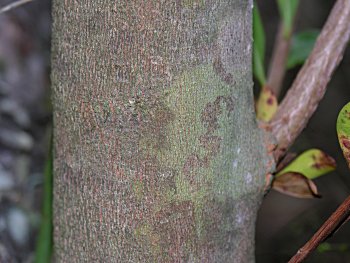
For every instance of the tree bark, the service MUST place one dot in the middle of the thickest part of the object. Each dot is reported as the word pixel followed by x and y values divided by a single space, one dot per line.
pixel 158 157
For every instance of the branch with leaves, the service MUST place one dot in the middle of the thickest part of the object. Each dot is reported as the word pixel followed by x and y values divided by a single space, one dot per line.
pixel 310 85
pixel 287 120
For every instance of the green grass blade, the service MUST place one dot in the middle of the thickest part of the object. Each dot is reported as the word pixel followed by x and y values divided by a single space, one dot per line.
pixel 258 47
pixel 44 242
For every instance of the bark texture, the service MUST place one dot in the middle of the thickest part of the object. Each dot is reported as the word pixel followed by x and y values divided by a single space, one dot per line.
pixel 158 157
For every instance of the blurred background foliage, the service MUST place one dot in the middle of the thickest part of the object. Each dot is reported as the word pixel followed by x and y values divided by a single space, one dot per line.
pixel 25 120
pixel 284 223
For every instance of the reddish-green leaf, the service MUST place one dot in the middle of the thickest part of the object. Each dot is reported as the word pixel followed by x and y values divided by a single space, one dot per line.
pixel 267 104
pixel 311 163
pixel 343 129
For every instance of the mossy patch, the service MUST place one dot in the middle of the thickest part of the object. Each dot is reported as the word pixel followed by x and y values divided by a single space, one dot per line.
pixel 193 3
pixel 198 138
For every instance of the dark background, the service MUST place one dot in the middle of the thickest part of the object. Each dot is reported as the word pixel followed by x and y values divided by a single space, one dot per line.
pixel 284 223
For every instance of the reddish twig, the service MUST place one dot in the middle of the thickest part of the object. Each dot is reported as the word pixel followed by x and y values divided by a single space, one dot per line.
pixel 336 220
pixel 310 85
pixel 277 68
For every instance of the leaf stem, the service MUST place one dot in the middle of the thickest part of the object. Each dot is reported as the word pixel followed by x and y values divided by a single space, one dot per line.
pixel 278 61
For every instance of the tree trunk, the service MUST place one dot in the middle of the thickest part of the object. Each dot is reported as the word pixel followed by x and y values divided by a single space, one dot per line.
pixel 158 157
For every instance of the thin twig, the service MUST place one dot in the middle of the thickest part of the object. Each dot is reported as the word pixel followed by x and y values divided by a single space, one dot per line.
pixel 310 85
pixel 278 62
pixel 334 222
pixel 14 5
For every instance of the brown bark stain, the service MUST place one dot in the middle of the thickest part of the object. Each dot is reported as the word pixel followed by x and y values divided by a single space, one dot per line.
pixel 210 142
pixel 220 70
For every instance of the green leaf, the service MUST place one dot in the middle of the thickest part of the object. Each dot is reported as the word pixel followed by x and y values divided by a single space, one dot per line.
pixel 287 9
pixel 311 163
pixel 301 47
pixel 343 130
pixel 258 47
pixel 266 105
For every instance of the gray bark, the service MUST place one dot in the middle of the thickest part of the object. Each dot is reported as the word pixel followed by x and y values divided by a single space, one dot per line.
pixel 158 157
